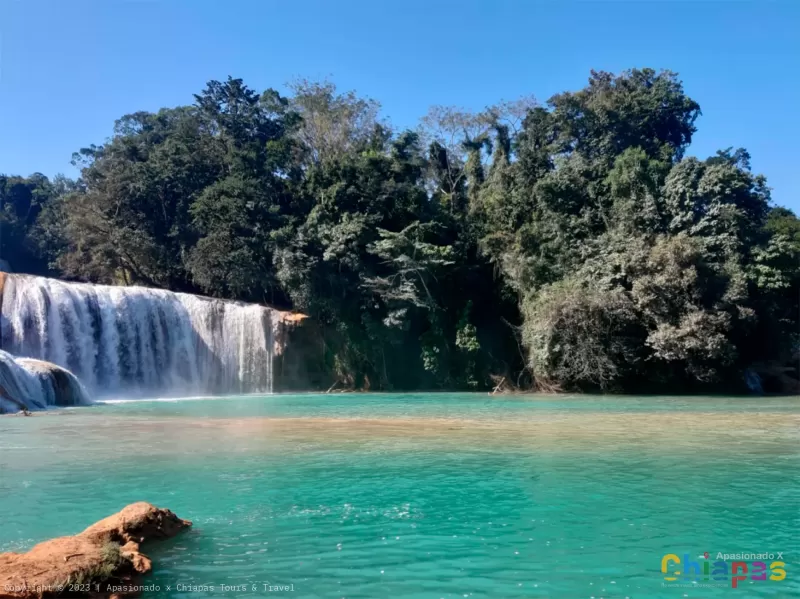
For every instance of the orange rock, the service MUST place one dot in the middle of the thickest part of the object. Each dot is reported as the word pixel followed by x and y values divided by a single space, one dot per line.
pixel 111 543
pixel 141 563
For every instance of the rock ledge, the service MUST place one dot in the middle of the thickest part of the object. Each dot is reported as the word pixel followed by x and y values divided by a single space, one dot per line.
pixel 96 563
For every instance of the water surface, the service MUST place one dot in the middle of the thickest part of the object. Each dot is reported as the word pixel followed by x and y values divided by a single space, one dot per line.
pixel 427 495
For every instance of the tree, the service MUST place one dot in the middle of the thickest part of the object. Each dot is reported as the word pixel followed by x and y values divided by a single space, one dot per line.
pixel 332 124
pixel 130 221
pixel 25 205
pixel 568 245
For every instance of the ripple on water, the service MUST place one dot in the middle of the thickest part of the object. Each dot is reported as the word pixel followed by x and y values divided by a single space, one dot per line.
pixel 420 496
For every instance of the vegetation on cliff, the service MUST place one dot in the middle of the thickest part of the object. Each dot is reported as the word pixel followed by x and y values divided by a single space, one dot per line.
pixel 565 245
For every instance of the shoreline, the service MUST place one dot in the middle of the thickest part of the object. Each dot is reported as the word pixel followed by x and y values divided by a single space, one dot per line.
pixel 532 397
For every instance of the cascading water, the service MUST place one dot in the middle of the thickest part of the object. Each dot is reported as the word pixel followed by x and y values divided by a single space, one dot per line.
pixel 35 385
pixel 135 341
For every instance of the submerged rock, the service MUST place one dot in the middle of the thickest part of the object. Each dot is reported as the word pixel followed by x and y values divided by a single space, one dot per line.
pixel 98 562
pixel 753 381
pixel 27 384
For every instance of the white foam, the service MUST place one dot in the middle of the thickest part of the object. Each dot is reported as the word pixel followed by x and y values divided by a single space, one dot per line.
pixel 129 342
pixel 35 386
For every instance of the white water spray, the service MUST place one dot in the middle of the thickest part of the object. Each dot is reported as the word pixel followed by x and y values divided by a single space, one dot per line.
pixel 135 341
pixel 35 385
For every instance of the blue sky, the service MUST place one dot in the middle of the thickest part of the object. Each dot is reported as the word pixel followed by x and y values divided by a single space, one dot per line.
pixel 68 69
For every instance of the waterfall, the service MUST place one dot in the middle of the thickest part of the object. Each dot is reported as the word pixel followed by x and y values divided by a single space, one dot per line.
pixel 135 341
pixel 36 385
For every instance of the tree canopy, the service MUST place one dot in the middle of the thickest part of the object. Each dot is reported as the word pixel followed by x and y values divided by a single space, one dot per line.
pixel 565 245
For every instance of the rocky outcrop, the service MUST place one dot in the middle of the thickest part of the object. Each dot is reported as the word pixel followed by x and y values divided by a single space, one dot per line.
pixel 27 384
pixel 67 391
pixel 98 562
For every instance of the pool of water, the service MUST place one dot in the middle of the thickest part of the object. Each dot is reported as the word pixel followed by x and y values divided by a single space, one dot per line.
pixel 422 495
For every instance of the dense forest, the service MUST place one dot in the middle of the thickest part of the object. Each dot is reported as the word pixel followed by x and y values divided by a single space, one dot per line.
pixel 557 246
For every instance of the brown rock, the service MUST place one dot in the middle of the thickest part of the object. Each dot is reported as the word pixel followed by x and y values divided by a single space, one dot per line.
pixel 107 551
pixel 130 547
pixel 141 563
pixel 2 287
pixel 137 522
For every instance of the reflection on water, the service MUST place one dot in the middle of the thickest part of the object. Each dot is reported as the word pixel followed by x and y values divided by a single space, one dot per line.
pixel 439 495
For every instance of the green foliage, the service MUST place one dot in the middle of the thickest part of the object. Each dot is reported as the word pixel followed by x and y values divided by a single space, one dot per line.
pixel 781 221
pixel 579 335
pixel 468 344
pixel 332 124
pixel 637 108
pixel 571 241
pixel 466 333
pixel 633 264
pixel 26 220
pixel 103 570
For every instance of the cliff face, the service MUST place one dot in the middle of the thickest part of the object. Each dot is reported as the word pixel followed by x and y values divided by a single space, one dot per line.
pixel 96 562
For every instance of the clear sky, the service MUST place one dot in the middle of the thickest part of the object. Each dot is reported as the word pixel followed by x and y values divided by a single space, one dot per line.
pixel 69 68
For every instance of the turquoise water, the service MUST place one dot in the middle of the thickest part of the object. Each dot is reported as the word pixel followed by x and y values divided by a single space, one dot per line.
pixel 435 495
